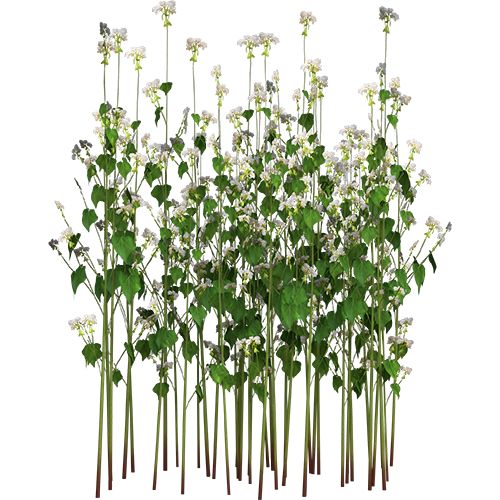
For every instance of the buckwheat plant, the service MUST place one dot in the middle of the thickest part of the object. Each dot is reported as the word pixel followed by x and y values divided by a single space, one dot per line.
pixel 282 258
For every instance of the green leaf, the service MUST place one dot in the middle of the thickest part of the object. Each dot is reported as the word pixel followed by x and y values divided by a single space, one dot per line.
pixel 369 233
pixel 201 143
pixel 254 369
pixel 218 373
pixel 391 366
pixel 99 286
pixel 291 367
pixel 267 112
pixel 402 279
pixel 353 307
pixel 407 217
pixel 209 206
pixel 158 111
pixel 117 376
pixel 433 262
pixel 142 347
pixel 104 108
pixel 152 172
pixel 160 192
pixel 259 390
pixel 293 304
pixel 161 389
pixel 112 137
pixel 393 120
pixel 247 114
pixel 269 205
pixel 363 270
pixel 130 351
pixel 183 168
pixel 124 168
pixel 198 313
pixel 98 194
pixel 165 339
pixel 418 273
pixel 124 244
pixel 189 350
pixel 396 389
pixel 177 273
pixel 358 378
pixel 199 392
pixel 165 87
pixel 378 195
pixel 384 95
pixel 311 216
pixel 92 352
pixel 321 365
pixel 380 148
pixel 135 124
pixel 361 339
pixel 402 177
pixel 307 121
pixel 130 283
pixel 337 382
pixel 218 163
pixel 89 217
pixel 254 253
pixel 78 276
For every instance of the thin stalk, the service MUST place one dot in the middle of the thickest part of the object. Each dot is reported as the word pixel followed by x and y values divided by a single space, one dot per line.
pixel 158 420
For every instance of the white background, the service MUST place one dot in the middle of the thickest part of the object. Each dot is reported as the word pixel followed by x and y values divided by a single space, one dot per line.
pixel 446 54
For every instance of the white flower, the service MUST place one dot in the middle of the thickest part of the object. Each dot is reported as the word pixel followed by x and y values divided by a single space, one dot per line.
pixel 166 9
pixel 395 83
pixel 194 45
pixel 406 322
pixel 433 224
pixel 234 116
pixel 267 40
pixel 216 71
pixel 118 36
pixel 137 54
pixel 415 146
pixel 59 205
pixel 309 272
pixel 221 91
pixel 312 66
pixel 208 117
pixel 105 47
pixel 259 94
pixel 387 14
pixel 120 33
pixel 150 237
pixel 369 90
pixel 307 18
pixel 249 41
pixel 322 81
pixel 66 235
pixel 424 177
pixel 151 89
pixel 84 325
pixel 90 319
